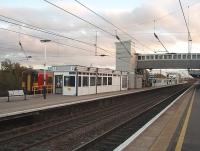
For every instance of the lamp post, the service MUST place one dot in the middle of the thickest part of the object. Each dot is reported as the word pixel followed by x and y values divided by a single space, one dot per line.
pixel 45 58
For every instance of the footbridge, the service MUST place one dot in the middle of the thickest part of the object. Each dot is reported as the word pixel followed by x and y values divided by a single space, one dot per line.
pixel 168 61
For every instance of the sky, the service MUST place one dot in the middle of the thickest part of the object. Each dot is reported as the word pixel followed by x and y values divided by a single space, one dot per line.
pixel 139 18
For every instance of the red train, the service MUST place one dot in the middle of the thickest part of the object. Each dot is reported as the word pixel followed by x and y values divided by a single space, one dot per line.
pixel 33 80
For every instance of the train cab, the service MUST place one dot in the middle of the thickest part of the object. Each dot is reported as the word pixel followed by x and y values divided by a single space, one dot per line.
pixel 33 81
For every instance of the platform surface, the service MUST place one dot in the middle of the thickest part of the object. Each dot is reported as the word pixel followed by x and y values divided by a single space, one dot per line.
pixel 33 103
pixel 189 137
pixel 163 134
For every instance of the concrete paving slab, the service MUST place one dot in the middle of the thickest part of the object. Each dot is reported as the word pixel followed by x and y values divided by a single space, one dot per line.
pixel 157 136
pixel 18 105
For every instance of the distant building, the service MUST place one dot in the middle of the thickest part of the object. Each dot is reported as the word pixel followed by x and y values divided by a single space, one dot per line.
pixel 161 80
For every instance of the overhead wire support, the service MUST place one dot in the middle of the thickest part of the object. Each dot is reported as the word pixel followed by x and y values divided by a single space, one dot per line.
pixel 36 28
pixel 25 25
pixel 122 43
pixel 79 17
pixel 32 27
pixel 106 20
pixel 37 37
pixel 84 21
pixel 156 36
pixel 189 35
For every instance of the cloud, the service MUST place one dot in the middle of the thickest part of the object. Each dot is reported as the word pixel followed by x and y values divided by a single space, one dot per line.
pixel 138 22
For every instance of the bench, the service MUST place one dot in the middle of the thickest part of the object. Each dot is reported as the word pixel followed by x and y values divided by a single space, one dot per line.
pixel 16 93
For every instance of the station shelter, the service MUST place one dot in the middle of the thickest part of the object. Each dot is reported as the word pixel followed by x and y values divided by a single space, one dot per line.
pixel 81 80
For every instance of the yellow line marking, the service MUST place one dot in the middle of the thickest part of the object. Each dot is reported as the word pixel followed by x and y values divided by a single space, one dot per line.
pixel 185 125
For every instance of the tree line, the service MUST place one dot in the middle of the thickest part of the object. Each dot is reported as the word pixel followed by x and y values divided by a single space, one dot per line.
pixel 10 76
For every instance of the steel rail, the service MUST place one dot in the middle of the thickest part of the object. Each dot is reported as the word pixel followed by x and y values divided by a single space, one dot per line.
pixel 91 143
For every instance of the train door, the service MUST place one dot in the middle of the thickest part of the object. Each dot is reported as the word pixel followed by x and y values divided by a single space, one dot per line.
pixel 58 84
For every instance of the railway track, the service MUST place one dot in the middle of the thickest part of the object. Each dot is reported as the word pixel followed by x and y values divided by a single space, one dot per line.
pixel 114 137
pixel 37 136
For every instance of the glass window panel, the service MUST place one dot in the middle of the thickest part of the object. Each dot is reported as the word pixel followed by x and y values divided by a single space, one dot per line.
pixel 161 57
pixel 104 80
pixel 174 56
pixel 99 81
pixel 143 57
pixel 85 81
pixel 69 81
pixel 109 80
pixel 92 81
pixel 194 56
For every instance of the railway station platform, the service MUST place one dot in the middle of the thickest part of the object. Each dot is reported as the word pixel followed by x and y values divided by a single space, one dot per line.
pixel 36 102
pixel 176 129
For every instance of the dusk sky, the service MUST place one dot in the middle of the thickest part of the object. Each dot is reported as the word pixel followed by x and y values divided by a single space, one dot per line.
pixel 136 17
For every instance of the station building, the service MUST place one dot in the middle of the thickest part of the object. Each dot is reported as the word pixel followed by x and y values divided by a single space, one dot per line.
pixel 81 80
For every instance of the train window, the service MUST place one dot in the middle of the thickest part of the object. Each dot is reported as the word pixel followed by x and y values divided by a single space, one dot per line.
pixel 35 78
pixel 169 56
pixel 198 56
pixel 179 56
pixel 184 56
pixel 152 57
pixel 105 80
pixel 109 80
pixel 194 56
pixel 165 56
pixel 147 57
pixel 50 80
pixel 85 81
pixel 79 73
pixel 92 81
pixel 139 57
pixel 156 57
pixel 79 81
pixel 188 56
pixel 69 81
pixel 99 81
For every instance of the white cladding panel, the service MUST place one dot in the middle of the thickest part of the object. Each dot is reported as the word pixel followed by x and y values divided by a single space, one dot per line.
pixel 87 78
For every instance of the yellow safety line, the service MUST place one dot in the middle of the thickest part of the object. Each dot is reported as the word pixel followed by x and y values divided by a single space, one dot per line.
pixel 185 125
